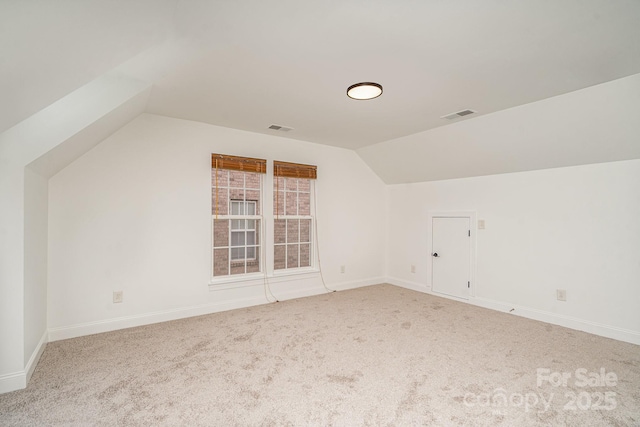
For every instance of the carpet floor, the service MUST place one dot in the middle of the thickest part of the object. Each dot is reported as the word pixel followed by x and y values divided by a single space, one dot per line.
pixel 378 356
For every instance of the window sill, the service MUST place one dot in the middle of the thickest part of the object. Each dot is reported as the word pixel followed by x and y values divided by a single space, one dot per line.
pixel 258 279
pixel 295 272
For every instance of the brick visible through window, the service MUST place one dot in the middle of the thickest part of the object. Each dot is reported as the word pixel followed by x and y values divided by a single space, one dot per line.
pixel 293 223
pixel 236 208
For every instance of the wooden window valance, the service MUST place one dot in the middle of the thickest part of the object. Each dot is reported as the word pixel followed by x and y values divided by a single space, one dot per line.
pixel 294 170
pixel 236 163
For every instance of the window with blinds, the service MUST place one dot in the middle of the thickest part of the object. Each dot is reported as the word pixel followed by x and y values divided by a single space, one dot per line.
pixel 293 215
pixel 236 209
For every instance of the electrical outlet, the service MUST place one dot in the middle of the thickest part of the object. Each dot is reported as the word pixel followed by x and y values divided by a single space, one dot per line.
pixel 413 268
pixel 117 297
pixel 561 294
pixel 342 269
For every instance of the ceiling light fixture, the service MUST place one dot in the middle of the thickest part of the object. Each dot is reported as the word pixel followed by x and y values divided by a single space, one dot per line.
pixel 364 90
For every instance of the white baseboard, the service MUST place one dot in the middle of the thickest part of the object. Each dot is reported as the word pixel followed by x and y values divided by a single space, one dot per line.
pixel 595 328
pixel 13 381
pixel 342 286
pixel 19 380
pixel 108 325
pixel 414 286
pixel 607 331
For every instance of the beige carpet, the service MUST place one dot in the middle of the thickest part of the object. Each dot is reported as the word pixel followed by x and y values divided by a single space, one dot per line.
pixel 379 355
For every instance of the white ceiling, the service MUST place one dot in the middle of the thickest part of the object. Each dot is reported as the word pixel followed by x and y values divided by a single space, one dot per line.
pixel 51 48
pixel 290 62
pixel 255 63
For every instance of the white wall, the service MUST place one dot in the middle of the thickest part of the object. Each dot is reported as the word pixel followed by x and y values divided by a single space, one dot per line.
pixel 89 113
pixel 133 214
pixel 592 125
pixel 35 264
pixel 11 272
pixel 574 228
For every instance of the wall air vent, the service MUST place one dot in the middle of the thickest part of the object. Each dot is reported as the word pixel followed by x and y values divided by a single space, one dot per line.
pixel 280 128
pixel 458 114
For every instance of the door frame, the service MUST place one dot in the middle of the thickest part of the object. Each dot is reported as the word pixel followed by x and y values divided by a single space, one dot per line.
pixel 471 215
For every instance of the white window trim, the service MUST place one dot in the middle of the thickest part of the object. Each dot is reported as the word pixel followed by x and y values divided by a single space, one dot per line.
pixel 312 243
pixel 255 279
pixel 230 278
pixel 267 244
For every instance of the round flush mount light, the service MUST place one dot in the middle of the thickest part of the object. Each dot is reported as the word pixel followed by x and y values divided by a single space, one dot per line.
pixel 364 90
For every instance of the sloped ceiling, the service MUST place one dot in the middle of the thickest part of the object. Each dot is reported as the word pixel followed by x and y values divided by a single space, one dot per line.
pixel 248 64
pixel 48 49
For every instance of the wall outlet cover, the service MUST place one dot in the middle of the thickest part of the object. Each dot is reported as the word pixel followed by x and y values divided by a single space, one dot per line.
pixel 117 297
pixel 561 294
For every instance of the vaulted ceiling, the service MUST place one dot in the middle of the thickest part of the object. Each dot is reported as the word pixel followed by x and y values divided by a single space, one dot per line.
pixel 247 64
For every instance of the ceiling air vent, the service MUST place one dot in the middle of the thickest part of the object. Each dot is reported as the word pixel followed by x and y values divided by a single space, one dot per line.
pixel 458 114
pixel 280 128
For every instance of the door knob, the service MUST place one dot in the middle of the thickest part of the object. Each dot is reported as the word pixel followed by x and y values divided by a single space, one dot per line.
pixel 435 254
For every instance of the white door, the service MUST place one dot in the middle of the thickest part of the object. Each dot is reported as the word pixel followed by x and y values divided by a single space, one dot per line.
pixel 451 256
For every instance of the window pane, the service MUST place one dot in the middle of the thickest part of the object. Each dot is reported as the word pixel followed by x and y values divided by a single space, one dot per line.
pixel 222 199
pixel 223 177
pixel 221 262
pixel 279 257
pixel 237 253
pixel 280 231
pixel 253 264
pixel 237 238
pixel 278 203
pixel 304 185
pixel 304 203
pixel 236 179
pixel 278 184
pixel 253 197
pixel 256 234
pixel 236 194
pixel 238 267
pixel 305 255
pixel 305 230
pixel 292 184
pixel 292 203
pixel 292 230
pixel 220 232
pixel 236 207
pixel 251 252
pixel 236 249
pixel 292 237
pixel 252 180
pixel 292 256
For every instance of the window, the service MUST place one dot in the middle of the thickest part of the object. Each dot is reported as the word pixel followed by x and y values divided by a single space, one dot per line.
pixel 236 184
pixel 243 231
pixel 293 220
pixel 237 216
